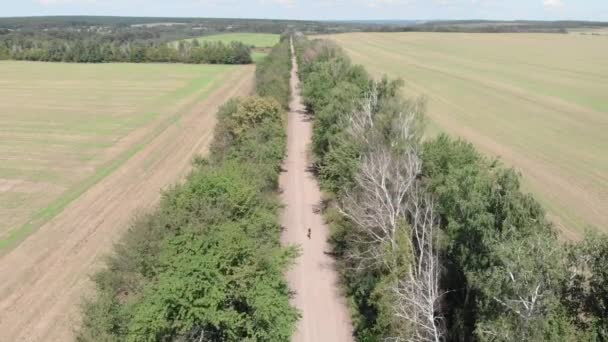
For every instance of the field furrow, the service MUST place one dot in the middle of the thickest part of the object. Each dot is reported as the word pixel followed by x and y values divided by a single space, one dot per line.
pixel 537 101
pixel 43 278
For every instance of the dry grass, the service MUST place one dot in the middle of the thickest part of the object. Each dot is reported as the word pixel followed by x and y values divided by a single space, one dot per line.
pixel 538 101
pixel 64 127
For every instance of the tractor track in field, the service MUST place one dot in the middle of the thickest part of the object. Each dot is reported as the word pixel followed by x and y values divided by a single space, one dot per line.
pixel 43 279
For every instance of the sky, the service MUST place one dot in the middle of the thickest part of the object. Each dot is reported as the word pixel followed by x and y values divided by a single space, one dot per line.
pixel 319 9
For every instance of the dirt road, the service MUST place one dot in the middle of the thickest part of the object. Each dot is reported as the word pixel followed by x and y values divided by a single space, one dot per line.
pixel 314 280
pixel 43 280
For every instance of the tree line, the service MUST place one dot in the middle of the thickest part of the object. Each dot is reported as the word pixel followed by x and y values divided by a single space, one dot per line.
pixel 172 29
pixel 175 28
pixel 207 264
pixel 99 49
pixel 436 242
pixel 489 26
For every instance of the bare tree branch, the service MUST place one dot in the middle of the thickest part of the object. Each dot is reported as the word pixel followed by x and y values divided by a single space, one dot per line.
pixel 418 294
pixel 387 203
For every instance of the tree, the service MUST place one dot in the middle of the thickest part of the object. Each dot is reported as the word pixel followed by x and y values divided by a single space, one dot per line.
pixel 585 291
pixel 524 288
pixel 387 173
pixel 219 284
pixel 505 264
pixel 379 202
pixel 4 52
pixel 137 54
pixel 394 217
pixel 136 48
pixel 207 264
pixel 418 296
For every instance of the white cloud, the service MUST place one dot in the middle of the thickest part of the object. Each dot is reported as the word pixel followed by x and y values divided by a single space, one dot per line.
pixel 62 2
pixel 382 3
pixel 553 3
pixel 282 3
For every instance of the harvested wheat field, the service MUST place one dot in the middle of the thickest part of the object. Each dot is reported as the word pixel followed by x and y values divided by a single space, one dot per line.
pixel 80 154
pixel 537 101
pixel 59 136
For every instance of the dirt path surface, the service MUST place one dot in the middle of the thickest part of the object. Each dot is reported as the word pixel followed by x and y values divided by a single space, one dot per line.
pixel 43 280
pixel 314 280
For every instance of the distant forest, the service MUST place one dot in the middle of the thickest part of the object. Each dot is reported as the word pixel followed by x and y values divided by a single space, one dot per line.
pixel 177 26
pixel 116 39
pixel 137 40
pixel 83 39
pixel 107 48
pixel 484 26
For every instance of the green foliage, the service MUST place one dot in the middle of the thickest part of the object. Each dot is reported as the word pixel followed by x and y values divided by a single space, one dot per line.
pixel 102 50
pixel 265 145
pixel 207 263
pixel 216 53
pixel 585 291
pixel 506 274
pixel 554 326
pixel 104 320
pixel 253 112
pixel 530 269
pixel 216 220
pixel 362 287
pixel 273 72
pixel 4 53
pixel 330 88
pixel 499 247
pixel 214 193
pixel 330 120
pixel 333 88
pixel 338 166
pixel 207 283
pixel 324 67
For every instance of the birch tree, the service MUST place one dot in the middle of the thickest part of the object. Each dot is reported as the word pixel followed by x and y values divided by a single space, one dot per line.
pixel 387 203
pixel 523 286
pixel 418 294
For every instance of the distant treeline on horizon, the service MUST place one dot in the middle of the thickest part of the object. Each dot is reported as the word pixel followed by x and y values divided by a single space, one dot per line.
pixel 195 26
pixel 84 39
pixel 93 39
pixel 103 50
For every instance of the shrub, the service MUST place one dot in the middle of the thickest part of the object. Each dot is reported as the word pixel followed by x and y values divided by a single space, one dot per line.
pixel 207 263
pixel 505 273
pixel 272 74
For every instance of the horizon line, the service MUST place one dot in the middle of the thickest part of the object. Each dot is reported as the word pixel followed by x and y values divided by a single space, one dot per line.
pixel 289 19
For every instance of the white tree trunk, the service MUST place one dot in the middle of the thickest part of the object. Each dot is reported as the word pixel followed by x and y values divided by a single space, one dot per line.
pixel 386 198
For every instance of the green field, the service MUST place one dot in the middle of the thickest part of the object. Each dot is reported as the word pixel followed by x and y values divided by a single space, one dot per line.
pixel 258 56
pixel 538 101
pixel 63 127
pixel 258 40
